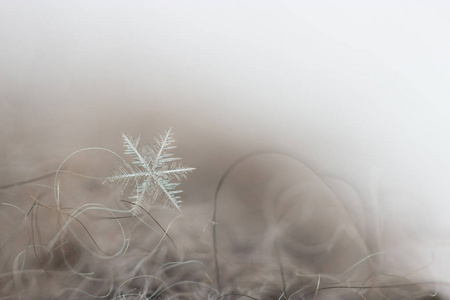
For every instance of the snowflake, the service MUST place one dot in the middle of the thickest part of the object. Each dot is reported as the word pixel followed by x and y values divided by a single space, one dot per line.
pixel 154 171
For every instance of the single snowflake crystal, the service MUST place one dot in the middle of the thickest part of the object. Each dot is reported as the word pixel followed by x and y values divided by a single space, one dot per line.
pixel 154 171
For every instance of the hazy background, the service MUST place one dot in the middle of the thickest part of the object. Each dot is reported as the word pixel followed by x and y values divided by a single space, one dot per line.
pixel 357 89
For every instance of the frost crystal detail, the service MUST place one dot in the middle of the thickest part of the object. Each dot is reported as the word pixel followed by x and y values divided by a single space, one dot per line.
pixel 154 171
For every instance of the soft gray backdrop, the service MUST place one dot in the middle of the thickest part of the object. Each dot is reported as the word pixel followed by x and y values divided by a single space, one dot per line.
pixel 357 89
